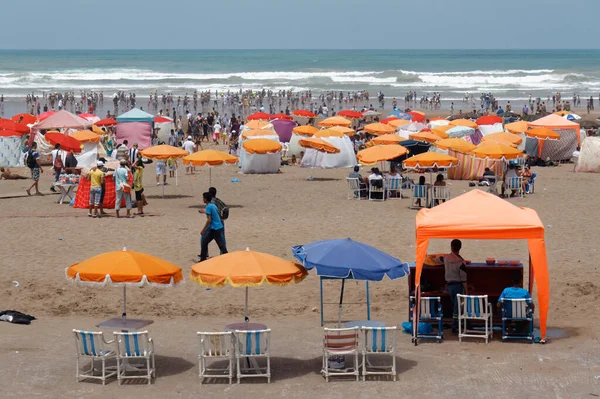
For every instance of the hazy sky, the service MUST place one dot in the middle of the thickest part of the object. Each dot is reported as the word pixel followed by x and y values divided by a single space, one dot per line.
pixel 313 24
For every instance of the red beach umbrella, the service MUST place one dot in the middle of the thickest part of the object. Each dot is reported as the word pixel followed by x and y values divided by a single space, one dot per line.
pixel 161 119
pixel 282 116
pixel 489 120
pixel 24 119
pixel 416 117
pixel 348 113
pixel 259 116
pixel 106 122
pixel 7 124
pixel 67 143
pixel 305 113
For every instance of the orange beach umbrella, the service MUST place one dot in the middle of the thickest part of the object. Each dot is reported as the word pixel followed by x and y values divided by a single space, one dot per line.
pixel 328 133
pixel 492 150
pixel 342 129
pixel 261 146
pixel 542 133
pixel 517 127
pixel 305 130
pixel 427 137
pixel 125 268
pixel 503 136
pixel 209 158
pixel 379 153
pixel 398 122
pixel 318 144
pixel 247 269
pixel 455 144
pixel 335 121
pixel 379 128
pixel 85 136
pixel 430 160
pixel 440 131
pixel 387 139
pixel 464 122
pixel 164 152
pixel 258 124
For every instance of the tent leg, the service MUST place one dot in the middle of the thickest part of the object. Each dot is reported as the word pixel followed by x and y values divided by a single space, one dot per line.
pixel 530 275
pixel 368 301
pixel 321 299
pixel 124 302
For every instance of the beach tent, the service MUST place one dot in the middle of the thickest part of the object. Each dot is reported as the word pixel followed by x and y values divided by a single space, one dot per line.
pixel 260 156
pixel 299 133
pixel 135 126
pixel 346 158
pixel 478 215
pixel 559 150
pixel 283 128
pixel 62 120
pixel 490 124
pixel 472 168
pixel 10 149
pixel 164 126
pixel 589 158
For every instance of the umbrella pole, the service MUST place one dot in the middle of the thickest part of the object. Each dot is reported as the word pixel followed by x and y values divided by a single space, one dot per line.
pixel 124 302
pixel 341 301
pixel 209 176
pixel 246 318
pixel 176 179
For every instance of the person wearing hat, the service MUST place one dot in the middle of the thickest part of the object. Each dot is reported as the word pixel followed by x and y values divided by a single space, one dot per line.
pixel 138 176
pixel 189 146
pixel 106 172
pixel 133 153
pixel 122 187
pixel 96 177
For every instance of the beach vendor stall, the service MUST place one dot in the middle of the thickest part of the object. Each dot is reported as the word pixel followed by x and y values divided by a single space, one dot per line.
pixel 477 215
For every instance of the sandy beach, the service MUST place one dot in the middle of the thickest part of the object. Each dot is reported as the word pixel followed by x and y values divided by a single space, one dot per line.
pixel 271 213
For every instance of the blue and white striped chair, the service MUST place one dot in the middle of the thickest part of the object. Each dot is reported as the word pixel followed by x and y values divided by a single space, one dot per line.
pixel 430 312
pixel 393 187
pixel 251 345
pixel 212 346
pixel 339 344
pixel 377 341
pixel 519 311
pixel 474 307
pixel 91 344
pixel 135 345
pixel 420 196
pixel 515 184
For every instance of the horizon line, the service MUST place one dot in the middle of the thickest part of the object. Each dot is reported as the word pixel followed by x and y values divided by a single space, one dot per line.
pixel 302 49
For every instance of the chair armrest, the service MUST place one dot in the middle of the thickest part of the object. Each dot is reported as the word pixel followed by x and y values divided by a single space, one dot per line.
pixel 109 342
pixel 151 342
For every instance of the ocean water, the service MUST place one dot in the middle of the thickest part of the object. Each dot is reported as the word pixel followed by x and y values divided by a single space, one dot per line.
pixel 509 75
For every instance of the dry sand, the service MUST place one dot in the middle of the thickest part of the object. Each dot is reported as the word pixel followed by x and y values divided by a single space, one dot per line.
pixel 270 213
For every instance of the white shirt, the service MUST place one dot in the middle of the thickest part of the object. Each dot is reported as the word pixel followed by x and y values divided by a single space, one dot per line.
pixel 217 128
pixel 373 176
pixel 54 155
pixel 189 145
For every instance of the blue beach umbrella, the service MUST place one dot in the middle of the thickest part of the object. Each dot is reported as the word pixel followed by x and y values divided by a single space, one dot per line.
pixel 400 115
pixel 347 259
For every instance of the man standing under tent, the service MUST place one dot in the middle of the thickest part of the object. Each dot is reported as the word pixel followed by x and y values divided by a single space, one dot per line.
pixel 456 277
pixel 33 163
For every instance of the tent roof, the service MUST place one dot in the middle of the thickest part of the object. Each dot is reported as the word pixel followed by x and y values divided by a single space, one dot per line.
pixel 63 120
pixel 479 215
pixel 554 121
pixel 135 115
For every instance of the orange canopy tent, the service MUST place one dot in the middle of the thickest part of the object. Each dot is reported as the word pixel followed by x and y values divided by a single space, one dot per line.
pixel 478 215
pixel 335 121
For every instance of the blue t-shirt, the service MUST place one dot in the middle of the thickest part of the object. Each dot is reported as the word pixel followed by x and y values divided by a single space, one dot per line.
pixel 514 293
pixel 215 219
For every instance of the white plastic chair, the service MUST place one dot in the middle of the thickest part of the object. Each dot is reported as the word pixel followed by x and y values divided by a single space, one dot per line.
pixel 376 186
pixel 355 189
pixel 378 341
pixel 213 346
pixel 91 345
pixel 515 183
pixel 135 345
pixel 340 343
pixel 393 187
pixel 419 193
pixel 251 345
pixel 474 307
pixel 440 194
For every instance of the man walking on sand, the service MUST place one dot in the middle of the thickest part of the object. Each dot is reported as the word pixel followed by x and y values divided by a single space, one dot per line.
pixel 213 228
pixel 33 163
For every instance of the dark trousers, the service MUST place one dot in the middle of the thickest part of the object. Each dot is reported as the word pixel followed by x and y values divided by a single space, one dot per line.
pixel 453 290
pixel 207 237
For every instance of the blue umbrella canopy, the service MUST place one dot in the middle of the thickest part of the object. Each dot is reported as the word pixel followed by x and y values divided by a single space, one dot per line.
pixel 400 115
pixel 345 258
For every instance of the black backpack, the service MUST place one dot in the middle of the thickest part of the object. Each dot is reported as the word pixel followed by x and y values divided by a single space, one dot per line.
pixel 31 163
pixel 224 213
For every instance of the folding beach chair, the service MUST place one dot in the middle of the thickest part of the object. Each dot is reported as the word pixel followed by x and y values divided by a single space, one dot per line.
pixel 356 189
pixel 250 346
pixel 440 194
pixel 474 307
pixel 518 312
pixel 214 346
pixel 515 184
pixel 419 196
pixel 378 341
pixel 431 312
pixel 135 346
pixel 91 345
pixel 340 344
pixel 376 190
pixel 393 187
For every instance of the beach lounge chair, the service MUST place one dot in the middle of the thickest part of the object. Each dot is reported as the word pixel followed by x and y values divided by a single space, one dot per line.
pixel 356 190
pixel 213 346
pixel 519 311
pixel 431 312
pixel 474 307
pixel 249 346
pixel 339 345
pixel 440 194
pixel 515 184
pixel 420 194
pixel 378 341
pixel 91 345
pixel 393 187
pixel 135 346
pixel 376 190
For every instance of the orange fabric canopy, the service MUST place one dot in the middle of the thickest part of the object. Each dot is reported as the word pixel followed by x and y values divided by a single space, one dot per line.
pixel 430 160
pixel 209 157
pixel 261 146
pixel 378 153
pixel 335 121
pixel 496 150
pixel 257 132
pixel 247 269
pixel 164 151
pixel 427 137
pixel 387 139
pixel 305 130
pixel 257 124
pixel 24 119
pixel 554 122
pixel 379 128
pixel 517 127
pixel 464 122
pixel 328 133
pixel 440 131
pixel 478 215
pixel 455 144
pixel 342 129
pixel 318 144
pixel 125 267
pixel 503 136
pixel 398 122
pixel 85 136
pixel 542 133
